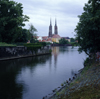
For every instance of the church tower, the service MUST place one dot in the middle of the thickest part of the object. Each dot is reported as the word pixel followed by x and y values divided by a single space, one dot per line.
pixel 50 29
pixel 55 28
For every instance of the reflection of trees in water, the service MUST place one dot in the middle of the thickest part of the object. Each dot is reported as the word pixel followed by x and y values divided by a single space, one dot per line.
pixel 66 49
pixel 9 88
pixel 63 49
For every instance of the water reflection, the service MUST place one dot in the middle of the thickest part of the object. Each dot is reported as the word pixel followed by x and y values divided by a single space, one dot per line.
pixel 10 88
pixel 35 77
pixel 55 52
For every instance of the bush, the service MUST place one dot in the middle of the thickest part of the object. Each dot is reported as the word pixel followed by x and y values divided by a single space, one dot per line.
pixel 5 44
pixel 33 46
pixel 43 43
pixel 87 62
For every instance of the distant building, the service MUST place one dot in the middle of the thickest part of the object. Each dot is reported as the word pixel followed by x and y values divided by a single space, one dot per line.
pixel 56 38
pixel 50 29
pixel 55 28
pixel 52 37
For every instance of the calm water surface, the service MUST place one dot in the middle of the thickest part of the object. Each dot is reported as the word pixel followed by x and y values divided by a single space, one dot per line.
pixel 35 77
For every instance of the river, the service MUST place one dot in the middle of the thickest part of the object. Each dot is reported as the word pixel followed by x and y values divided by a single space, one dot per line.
pixel 35 77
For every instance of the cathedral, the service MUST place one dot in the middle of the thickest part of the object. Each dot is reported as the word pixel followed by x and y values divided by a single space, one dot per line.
pixel 54 37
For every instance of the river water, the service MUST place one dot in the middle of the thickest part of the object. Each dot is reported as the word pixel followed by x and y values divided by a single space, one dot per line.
pixel 35 77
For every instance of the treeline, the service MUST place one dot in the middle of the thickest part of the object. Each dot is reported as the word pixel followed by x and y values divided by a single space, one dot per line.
pixel 71 41
pixel 88 28
pixel 11 23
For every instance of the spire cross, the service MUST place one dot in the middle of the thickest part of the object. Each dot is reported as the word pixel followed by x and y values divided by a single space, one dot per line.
pixel 55 22
pixel 50 21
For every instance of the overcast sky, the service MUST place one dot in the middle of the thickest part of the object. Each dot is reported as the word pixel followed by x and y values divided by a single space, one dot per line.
pixel 65 11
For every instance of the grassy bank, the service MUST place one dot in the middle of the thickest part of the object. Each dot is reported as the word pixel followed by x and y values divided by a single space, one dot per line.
pixel 5 44
pixel 85 86
pixel 86 92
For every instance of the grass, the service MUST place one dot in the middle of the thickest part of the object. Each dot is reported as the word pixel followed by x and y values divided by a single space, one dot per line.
pixel 5 44
pixel 85 69
pixel 86 92
pixel 92 91
pixel 62 84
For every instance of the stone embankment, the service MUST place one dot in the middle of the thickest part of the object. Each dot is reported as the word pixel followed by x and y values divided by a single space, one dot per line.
pixel 7 53
pixel 86 76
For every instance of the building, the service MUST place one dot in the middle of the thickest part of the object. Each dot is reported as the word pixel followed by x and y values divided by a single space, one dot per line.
pixel 56 38
pixel 50 29
pixel 52 37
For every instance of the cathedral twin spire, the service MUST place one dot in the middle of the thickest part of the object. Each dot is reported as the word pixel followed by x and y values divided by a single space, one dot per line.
pixel 55 28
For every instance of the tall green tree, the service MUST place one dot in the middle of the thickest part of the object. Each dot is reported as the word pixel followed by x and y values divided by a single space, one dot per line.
pixel 23 38
pixel 32 31
pixel 88 28
pixel 11 20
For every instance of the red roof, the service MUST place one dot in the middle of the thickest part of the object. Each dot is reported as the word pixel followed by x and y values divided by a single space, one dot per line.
pixel 39 40
pixel 56 36
pixel 49 39
pixel 43 40
pixel 44 37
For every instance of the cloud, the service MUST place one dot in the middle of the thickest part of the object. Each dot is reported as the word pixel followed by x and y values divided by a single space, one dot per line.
pixel 65 11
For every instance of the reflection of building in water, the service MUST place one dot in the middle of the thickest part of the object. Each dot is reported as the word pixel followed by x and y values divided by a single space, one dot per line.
pixel 55 51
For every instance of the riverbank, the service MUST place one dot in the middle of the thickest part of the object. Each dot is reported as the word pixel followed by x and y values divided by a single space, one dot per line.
pixel 9 53
pixel 11 58
pixel 85 86
pixel 61 44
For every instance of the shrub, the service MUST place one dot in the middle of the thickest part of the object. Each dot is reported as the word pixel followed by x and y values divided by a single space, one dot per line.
pixel 33 46
pixel 43 43
pixel 87 62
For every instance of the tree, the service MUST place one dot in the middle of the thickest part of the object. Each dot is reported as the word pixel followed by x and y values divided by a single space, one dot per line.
pixel 88 28
pixel 11 20
pixel 63 41
pixel 72 39
pixel 32 31
pixel 23 38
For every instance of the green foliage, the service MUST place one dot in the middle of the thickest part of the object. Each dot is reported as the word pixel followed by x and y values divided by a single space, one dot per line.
pixel 57 93
pixel 72 39
pixel 34 40
pixel 74 43
pixel 11 20
pixel 43 43
pixel 63 41
pixel 55 43
pixel 87 62
pixel 33 46
pixel 5 44
pixel 50 50
pixel 32 29
pixel 62 84
pixel 85 92
pixel 23 37
pixel 88 28
pixel 48 43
